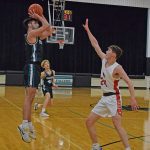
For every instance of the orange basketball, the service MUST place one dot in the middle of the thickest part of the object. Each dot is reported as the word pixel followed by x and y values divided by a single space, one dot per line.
pixel 36 8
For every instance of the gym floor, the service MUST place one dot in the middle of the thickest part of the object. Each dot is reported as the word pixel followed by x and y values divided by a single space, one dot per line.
pixel 65 128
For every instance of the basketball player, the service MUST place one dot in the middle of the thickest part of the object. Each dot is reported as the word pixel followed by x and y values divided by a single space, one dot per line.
pixel 110 103
pixel 38 29
pixel 48 81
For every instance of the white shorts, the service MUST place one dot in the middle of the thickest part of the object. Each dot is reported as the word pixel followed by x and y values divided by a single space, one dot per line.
pixel 108 106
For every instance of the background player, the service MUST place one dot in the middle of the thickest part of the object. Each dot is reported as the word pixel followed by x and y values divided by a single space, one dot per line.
pixel 48 81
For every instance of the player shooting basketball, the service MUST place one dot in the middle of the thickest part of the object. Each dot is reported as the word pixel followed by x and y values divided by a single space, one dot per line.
pixel 38 29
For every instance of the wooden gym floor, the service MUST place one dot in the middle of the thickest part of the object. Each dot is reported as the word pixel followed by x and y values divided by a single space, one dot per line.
pixel 65 128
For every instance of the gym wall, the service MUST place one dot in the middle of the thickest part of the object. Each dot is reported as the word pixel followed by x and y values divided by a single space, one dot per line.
pixel 124 26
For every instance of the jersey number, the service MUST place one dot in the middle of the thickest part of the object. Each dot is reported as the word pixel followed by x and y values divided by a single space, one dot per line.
pixel 103 82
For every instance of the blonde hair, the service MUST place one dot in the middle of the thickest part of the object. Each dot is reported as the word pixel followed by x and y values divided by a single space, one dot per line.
pixel 43 62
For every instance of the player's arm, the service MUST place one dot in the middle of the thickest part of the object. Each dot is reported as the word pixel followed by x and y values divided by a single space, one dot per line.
pixel 42 75
pixel 53 80
pixel 93 41
pixel 122 74
pixel 44 28
pixel 47 32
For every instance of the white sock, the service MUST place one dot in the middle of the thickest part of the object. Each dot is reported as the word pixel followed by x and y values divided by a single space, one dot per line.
pixel 30 124
pixel 43 109
pixel 128 148
pixel 96 146
pixel 25 123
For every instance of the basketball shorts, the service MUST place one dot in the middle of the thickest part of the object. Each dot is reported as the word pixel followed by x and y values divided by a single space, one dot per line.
pixel 108 106
pixel 32 75
pixel 49 90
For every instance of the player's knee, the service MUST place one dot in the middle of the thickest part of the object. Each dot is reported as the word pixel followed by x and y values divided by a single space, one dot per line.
pixel 89 122
pixel 117 124
pixel 32 95
pixel 50 102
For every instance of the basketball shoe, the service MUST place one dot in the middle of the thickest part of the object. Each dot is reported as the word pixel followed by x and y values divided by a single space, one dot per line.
pixel 32 132
pixel 97 149
pixel 24 132
pixel 44 114
pixel 35 106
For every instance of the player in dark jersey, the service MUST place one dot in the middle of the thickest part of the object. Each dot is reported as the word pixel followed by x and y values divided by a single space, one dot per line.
pixel 38 29
pixel 48 81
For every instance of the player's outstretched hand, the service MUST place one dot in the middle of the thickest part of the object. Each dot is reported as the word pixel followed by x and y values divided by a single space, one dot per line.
pixel 134 104
pixel 34 15
pixel 55 86
pixel 86 25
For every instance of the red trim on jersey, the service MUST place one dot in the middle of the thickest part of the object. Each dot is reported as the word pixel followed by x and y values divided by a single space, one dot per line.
pixel 119 108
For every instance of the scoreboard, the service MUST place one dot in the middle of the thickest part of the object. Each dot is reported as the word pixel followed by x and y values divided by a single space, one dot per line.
pixel 67 15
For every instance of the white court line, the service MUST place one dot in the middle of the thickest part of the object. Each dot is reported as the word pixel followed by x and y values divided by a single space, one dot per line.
pixel 68 140
pixel 9 102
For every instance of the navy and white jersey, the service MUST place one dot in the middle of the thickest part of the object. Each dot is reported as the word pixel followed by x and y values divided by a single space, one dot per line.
pixel 32 75
pixel 48 80
pixel 34 51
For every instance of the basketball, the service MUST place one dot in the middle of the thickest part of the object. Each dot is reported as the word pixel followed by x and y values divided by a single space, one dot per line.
pixel 36 8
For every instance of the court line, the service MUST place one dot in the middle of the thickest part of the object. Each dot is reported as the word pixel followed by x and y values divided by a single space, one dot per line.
pixel 106 125
pixel 127 108
pixel 20 109
pixel 121 141
pixel 11 103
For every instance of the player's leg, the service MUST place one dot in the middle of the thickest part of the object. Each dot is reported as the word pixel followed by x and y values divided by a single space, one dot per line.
pixel 32 78
pixel 100 110
pixel 35 83
pixel 37 102
pixel 24 128
pixel 121 131
pixel 29 97
pixel 45 104
pixel 114 104
pixel 90 124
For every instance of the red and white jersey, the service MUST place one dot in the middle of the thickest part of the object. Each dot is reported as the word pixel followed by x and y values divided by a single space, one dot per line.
pixel 108 82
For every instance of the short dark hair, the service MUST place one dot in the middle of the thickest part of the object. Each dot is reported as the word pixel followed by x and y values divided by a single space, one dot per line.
pixel 27 20
pixel 117 50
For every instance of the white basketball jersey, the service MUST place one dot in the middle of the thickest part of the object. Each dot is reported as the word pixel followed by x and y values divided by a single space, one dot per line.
pixel 108 82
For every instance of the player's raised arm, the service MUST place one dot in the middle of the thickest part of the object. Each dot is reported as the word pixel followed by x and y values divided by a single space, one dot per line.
pixel 44 31
pixel 93 41
pixel 48 31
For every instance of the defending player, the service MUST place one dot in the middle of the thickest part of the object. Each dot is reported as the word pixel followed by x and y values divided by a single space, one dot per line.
pixel 110 103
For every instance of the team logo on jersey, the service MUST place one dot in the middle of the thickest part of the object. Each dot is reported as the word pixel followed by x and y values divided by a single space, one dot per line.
pixel 103 81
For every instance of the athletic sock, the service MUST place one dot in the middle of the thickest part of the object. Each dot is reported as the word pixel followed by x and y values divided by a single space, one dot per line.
pixel 30 124
pixel 96 146
pixel 43 109
pixel 24 121
pixel 25 124
pixel 128 148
